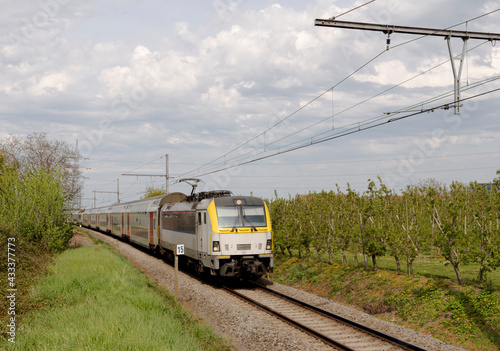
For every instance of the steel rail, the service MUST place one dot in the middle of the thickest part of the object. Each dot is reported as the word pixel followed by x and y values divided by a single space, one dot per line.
pixel 327 340
pixel 347 321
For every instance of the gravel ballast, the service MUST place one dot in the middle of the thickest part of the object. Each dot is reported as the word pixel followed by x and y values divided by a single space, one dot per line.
pixel 246 327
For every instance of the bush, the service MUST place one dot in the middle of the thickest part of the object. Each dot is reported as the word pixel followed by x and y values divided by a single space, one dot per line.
pixel 33 208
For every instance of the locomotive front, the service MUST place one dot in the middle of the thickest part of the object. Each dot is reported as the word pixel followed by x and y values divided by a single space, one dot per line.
pixel 241 238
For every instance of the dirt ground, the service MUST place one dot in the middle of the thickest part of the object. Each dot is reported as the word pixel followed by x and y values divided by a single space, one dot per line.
pixel 79 240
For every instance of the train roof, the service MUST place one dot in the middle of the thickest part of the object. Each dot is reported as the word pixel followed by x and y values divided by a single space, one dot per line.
pixel 219 202
pixel 181 201
pixel 141 205
pixel 238 200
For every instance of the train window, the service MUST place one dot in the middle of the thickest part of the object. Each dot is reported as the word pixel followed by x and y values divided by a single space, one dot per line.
pixel 180 221
pixel 205 217
pixel 241 216
pixel 199 217
pixel 254 216
pixel 229 216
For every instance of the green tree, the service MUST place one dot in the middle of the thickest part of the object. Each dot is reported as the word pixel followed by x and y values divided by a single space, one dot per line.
pixel 411 225
pixel 37 151
pixel 485 228
pixel 373 214
pixel 339 235
pixel 355 222
pixel 395 238
pixel 151 191
pixel 449 212
pixel 281 215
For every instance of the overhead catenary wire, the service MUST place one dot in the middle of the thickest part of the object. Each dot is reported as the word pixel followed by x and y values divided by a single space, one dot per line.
pixel 369 2
pixel 145 164
pixel 369 121
pixel 369 174
pixel 375 159
pixel 354 129
pixel 340 132
pixel 268 147
pixel 225 156
pixel 313 100
pixel 288 116
pixel 450 27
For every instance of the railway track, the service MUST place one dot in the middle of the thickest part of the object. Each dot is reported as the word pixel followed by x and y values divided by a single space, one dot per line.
pixel 333 330
pixel 249 326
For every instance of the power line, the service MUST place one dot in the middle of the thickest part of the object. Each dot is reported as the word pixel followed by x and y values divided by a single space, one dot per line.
pixel 288 116
pixel 447 33
pixel 376 159
pixel 371 174
pixel 353 126
pixel 353 9
pixel 355 129
pixel 148 163
pixel 224 156
pixel 453 26
pixel 378 94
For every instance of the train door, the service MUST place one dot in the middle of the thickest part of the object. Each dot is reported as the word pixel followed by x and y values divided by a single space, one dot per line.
pixel 128 225
pixel 202 238
pixel 151 229
pixel 158 228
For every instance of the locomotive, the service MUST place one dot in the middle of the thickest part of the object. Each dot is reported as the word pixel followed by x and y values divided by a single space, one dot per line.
pixel 225 235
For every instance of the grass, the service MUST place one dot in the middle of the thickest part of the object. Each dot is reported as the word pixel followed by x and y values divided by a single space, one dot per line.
pixel 31 264
pixel 94 299
pixel 432 267
pixel 468 315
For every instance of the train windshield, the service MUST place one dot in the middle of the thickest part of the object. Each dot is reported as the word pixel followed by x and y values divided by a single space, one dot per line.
pixel 241 216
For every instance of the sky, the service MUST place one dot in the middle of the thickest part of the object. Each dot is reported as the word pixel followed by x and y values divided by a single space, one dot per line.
pixel 250 96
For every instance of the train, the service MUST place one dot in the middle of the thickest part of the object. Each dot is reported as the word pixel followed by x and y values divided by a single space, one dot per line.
pixel 223 235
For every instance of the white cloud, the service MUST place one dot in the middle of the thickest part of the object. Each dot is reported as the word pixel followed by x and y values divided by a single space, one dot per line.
pixel 212 80
pixel 218 95
pixel 51 83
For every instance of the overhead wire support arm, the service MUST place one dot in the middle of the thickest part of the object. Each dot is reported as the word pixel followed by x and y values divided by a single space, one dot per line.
pixel 389 28
pixel 166 175
pixel 446 33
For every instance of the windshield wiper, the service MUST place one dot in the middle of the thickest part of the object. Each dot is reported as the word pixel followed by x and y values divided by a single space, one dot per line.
pixel 246 221
pixel 234 225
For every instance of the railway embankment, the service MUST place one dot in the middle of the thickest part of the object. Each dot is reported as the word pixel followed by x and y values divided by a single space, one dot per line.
pixel 246 327
pixel 96 307
pixel 92 298
pixel 432 303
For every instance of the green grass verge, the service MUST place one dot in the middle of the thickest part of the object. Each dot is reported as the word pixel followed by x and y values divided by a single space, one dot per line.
pixel 94 299
pixel 467 315
pixel 431 267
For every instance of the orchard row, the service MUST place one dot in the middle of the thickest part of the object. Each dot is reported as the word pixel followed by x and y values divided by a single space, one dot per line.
pixel 461 222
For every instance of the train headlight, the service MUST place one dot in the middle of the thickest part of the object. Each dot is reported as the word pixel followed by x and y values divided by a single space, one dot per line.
pixel 269 244
pixel 216 246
